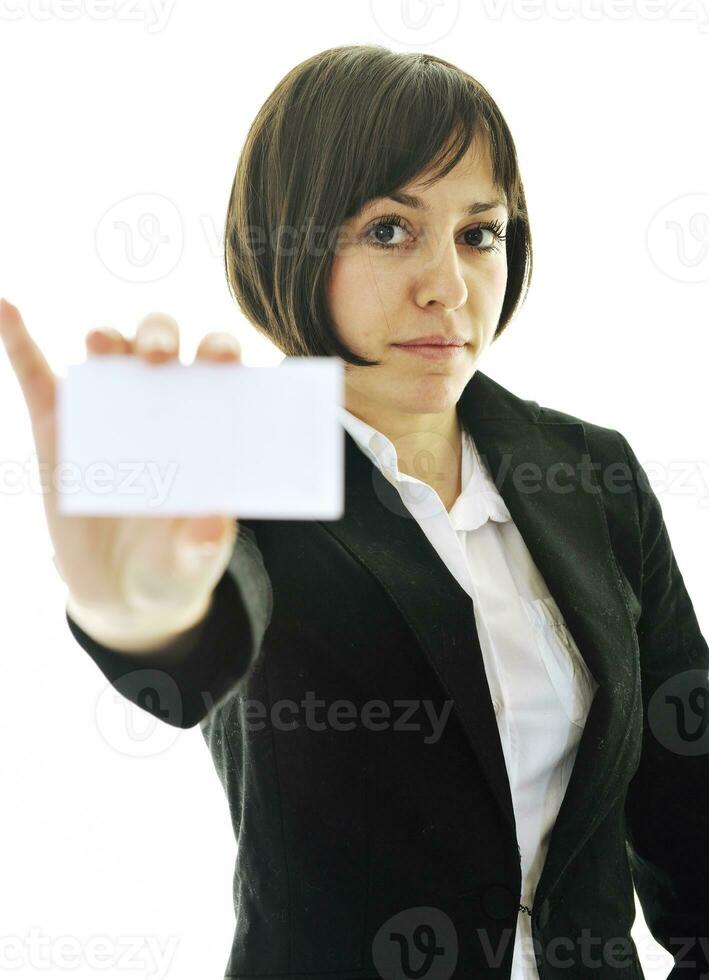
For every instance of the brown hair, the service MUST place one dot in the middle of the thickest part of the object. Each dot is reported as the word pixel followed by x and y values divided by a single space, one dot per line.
pixel 346 125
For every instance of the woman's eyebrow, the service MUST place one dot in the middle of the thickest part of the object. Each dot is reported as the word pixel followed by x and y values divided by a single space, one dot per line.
pixel 411 201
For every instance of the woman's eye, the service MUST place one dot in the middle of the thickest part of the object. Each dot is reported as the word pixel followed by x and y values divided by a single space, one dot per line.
pixel 390 231
pixel 476 233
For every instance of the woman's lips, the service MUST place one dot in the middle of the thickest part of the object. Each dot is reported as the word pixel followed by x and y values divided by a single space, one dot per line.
pixel 438 352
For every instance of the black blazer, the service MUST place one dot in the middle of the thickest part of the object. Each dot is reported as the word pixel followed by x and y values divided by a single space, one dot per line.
pixel 369 847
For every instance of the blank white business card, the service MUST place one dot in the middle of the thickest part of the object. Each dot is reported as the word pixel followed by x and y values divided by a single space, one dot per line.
pixel 172 439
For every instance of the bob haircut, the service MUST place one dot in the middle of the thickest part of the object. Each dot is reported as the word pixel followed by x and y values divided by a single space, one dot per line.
pixel 344 126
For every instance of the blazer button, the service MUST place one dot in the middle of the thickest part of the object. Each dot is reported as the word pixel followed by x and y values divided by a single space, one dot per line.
pixel 544 913
pixel 498 902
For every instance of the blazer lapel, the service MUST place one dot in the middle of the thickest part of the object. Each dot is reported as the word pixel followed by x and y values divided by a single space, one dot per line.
pixel 567 535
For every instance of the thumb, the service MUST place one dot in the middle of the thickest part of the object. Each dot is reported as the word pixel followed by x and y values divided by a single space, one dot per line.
pixel 208 530
pixel 204 546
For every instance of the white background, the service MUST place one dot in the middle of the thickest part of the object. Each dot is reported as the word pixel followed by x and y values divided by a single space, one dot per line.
pixel 111 836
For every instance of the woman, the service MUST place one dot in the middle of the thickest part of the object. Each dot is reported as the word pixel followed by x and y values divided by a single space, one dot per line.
pixel 430 718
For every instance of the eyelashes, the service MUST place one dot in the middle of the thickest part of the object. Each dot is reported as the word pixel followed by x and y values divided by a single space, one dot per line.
pixel 395 220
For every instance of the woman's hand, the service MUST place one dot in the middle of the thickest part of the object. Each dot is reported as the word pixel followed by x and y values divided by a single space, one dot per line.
pixel 133 574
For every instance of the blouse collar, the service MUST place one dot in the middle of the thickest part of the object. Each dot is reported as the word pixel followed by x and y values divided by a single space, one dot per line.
pixel 479 499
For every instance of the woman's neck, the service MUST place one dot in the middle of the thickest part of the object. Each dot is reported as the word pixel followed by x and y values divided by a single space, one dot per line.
pixel 427 447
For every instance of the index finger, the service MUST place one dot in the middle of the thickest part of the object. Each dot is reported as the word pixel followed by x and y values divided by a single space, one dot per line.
pixel 36 378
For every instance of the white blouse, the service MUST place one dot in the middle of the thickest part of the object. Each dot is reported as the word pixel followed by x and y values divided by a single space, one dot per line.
pixel 540 685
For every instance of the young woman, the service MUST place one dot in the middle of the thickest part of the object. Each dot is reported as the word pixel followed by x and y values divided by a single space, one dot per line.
pixel 431 718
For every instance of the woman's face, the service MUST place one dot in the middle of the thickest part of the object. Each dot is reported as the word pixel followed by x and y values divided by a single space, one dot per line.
pixel 447 278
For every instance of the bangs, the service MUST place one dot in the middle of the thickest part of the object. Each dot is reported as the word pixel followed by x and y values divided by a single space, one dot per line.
pixel 427 119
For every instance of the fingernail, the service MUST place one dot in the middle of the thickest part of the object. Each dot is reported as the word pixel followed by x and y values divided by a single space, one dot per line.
pixel 224 343
pixel 157 338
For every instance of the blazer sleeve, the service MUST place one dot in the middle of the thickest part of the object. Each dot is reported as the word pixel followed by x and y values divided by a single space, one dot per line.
pixel 183 683
pixel 667 805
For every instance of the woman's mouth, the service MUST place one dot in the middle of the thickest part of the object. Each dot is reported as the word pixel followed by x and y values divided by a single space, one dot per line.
pixel 434 351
